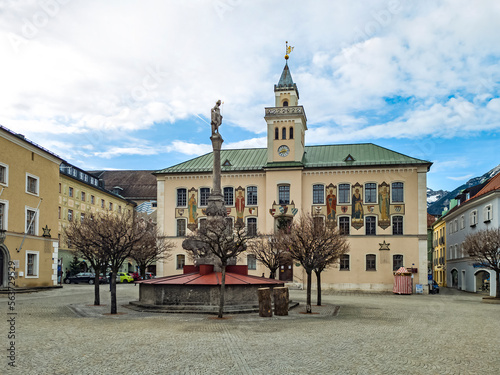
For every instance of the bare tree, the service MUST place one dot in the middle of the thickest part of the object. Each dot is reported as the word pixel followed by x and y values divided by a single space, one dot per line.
pixel 151 248
pixel 266 250
pixel 80 234
pixel 217 240
pixel 315 247
pixel 484 248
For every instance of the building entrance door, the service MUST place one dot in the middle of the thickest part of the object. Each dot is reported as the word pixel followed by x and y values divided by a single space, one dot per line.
pixel 286 271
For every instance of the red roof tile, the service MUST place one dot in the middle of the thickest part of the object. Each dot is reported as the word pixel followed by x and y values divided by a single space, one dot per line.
pixel 211 279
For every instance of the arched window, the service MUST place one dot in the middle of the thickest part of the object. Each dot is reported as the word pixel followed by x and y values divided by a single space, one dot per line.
pixel 283 133
pixel 285 103
pixel 276 133
pixel 291 132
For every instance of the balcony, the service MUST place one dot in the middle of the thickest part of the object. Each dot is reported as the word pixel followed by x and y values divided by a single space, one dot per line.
pixel 285 111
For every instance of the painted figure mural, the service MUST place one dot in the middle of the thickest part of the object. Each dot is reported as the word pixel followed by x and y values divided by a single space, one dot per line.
pixel 357 218
pixel 331 203
pixel 240 205
pixel 357 205
pixel 192 207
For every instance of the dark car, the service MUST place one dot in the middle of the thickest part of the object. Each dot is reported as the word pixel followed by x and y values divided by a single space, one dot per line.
pixel 83 278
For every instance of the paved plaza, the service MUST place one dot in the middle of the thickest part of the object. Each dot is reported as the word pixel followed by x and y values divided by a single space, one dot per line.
pixel 58 332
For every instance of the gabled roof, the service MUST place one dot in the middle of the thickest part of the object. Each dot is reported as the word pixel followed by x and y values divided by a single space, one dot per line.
pixel 134 184
pixel 328 156
pixel 493 184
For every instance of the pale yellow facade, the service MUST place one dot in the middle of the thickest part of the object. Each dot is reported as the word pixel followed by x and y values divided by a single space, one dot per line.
pixel 287 185
pixel 78 198
pixel 28 199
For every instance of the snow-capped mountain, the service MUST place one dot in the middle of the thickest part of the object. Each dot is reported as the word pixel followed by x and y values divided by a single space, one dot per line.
pixel 435 206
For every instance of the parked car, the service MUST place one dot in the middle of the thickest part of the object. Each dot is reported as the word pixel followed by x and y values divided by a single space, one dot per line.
pixel 149 275
pixel 123 277
pixel 83 277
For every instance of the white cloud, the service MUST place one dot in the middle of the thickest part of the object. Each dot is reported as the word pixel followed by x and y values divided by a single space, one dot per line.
pixel 119 151
pixel 186 148
pixel 460 178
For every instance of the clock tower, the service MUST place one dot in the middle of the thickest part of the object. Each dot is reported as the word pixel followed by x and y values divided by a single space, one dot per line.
pixel 286 123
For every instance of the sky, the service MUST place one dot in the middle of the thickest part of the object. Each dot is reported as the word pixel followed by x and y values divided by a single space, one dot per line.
pixel 130 84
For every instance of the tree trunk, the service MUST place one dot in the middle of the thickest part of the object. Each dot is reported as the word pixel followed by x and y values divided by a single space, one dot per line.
pixel 265 306
pixel 281 301
pixel 272 274
pixel 308 303
pixel 97 296
pixel 112 282
pixel 142 270
pixel 222 291
pixel 318 282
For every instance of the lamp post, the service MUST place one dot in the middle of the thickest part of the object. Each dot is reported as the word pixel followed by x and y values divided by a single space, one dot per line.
pixel 3 234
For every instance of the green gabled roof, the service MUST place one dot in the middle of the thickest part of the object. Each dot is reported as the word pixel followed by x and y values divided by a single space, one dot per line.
pixel 315 157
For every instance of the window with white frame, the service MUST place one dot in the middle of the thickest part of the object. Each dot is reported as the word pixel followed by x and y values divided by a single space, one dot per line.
pixel 344 225
pixel 70 191
pixel 180 261
pixel 181 227
pixel 31 221
pixel 31 264
pixel 473 218
pixel 252 196
pixel 344 262
pixel 397 225
pixel 344 193
pixel 284 194
pixel 204 195
pixel 181 197
pixel 370 193
pixel 397 262
pixel 371 262
pixel 229 196
pixel 370 225
pixel 4 205
pixel 251 262
pixel 32 184
pixel 455 225
pixel 4 174
pixel 462 222
pixel 318 194
pixel 252 226
pixel 397 195
pixel 488 214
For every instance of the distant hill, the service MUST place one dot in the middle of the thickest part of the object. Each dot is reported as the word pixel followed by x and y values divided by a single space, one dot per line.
pixel 438 200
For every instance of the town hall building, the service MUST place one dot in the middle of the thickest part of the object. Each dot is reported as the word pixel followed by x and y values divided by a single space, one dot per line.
pixel 376 196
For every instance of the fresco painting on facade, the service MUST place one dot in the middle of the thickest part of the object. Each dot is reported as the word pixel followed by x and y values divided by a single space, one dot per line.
pixel 384 205
pixel 240 206
pixel 331 204
pixel 357 206
pixel 192 209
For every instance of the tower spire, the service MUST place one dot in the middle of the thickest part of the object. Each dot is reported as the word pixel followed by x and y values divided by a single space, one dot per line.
pixel 288 49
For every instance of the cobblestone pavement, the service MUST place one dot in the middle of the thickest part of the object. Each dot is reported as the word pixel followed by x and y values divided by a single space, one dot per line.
pixel 57 332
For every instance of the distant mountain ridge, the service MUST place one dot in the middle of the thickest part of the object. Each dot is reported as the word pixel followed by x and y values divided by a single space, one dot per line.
pixel 438 200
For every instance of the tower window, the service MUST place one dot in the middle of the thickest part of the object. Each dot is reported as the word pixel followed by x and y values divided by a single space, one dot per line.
pixel 283 133
pixel 276 133
pixel 291 132
pixel 284 194
pixel 285 103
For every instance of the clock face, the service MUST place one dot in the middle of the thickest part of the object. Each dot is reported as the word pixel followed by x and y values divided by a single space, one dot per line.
pixel 283 151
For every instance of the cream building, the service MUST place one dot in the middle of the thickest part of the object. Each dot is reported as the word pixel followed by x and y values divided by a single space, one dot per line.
pixel 374 195
pixel 80 194
pixel 28 197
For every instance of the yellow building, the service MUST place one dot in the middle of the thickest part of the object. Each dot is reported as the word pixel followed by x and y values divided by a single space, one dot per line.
pixel 80 194
pixel 439 251
pixel 375 195
pixel 28 201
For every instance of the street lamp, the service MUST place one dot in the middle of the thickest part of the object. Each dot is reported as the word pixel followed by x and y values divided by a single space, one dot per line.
pixel 3 234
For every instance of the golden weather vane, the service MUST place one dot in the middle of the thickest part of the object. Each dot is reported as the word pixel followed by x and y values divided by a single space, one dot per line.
pixel 288 50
